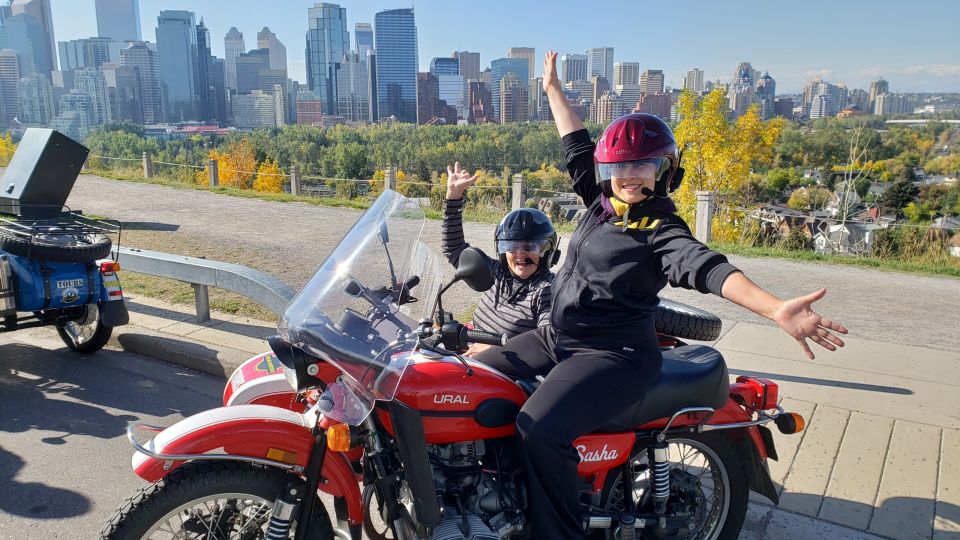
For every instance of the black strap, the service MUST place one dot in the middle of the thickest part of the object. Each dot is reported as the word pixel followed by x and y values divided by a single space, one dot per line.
pixel 46 272
pixel 90 282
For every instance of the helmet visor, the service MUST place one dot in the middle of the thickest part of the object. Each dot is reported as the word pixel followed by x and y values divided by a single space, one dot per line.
pixel 528 246
pixel 644 169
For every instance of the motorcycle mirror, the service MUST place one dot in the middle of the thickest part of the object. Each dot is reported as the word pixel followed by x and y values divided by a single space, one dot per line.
pixel 354 288
pixel 474 269
pixel 384 234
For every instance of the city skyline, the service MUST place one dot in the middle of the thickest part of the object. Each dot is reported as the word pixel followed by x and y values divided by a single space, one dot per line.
pixel 851 46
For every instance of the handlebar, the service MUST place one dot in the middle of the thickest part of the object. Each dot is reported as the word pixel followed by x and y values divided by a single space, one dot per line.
pixel 487 338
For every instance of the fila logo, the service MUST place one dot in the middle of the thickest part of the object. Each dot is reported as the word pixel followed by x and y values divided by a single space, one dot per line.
pixel 596 455
pixel 444 399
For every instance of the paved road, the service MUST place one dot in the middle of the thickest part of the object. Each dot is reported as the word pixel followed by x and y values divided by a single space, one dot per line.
pixel 290 239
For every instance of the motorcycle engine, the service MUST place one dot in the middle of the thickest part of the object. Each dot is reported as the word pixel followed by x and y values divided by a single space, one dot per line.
pixel 478 501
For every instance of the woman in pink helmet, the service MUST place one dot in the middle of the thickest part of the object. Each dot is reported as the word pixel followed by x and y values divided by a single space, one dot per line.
pixel 600 353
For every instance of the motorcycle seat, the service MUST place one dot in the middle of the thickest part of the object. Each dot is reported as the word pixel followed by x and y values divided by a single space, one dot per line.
pixel 692 376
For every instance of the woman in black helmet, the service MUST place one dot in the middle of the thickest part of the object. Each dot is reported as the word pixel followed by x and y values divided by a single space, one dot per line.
pixel 526 246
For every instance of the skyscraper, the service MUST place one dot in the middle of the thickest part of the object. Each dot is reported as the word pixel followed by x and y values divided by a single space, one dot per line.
pixel 651 82
pixel 499 68
pixel 514 99
pixel 81 53
pixel 626 73
pixel 525 52
pixel 363 33
pixel 745 74
pixel 76 112
pixel 217 90
pixel 877 88
pixel 469 64
pixel 481 105
pixel 600 62
pixel 202 79
pixel 123 85
pixel 233 47
pixel 766 94
pixel 118 20
pixel 177 58
pixel 453 88
pixel 397 64
pixel 23 34
pixel 10 73
pixel 573 67
pixel 608 106
pixel 36 99
pixel 353 96
pixel 91 82
pixel 694 81
pixel 428 98
pixel 45 55
pixel 278 53
pixel 327 41
pixel 250 66
pixel 141 57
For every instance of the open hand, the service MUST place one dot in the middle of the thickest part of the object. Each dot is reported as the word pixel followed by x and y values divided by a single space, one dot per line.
pixel 550 77
pixel 458 180
pixel 798 319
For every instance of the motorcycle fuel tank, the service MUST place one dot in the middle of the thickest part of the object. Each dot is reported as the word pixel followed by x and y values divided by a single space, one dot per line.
pixel 455 405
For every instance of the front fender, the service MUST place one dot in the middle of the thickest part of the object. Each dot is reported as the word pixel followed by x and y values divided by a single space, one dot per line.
pixel 259 431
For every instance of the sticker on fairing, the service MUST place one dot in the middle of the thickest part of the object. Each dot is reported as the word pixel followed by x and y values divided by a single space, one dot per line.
pixel 268 364
pixel 70 295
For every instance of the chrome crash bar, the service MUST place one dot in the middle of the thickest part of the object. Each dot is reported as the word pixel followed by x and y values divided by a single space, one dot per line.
pixel 763 417
pixel 168 459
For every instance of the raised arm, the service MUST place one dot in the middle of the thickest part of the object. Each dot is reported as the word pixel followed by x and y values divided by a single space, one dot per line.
pixel 567 121
pixel 453 242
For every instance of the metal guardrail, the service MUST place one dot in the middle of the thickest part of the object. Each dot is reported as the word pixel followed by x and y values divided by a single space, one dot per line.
pixel 258 286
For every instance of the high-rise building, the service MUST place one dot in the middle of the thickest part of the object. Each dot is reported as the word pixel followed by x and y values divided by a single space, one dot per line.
pixel 255 110
pixel 309 108
pixel 202 80
pixel 444 66
pixel 23 34
pixel 10 74
pixel 481 105
pixel 327 41
pixel 140 56
pixel 783 107
pixel 600 62
pixel 92 83
pixel 573 67
pixel 657 104
pixel 123 86
pixel 469 64
pixel 651 82
pixel 233 47
pixel 5 12
pixel 118 20
pixel 626 73
pixel 36 99
pixel 539 104
pixel 249 67
pixel 582 89
pixel 352 93
pixel 887 103
pixel 766 94
pixel 453 88
pixel 514 98
pixel 877 88
pixel 428 98
pixel 528 53
pixel 397 64
pixel 76 115
pixel 80 53
pixel 177 62
pixel 278 53
pixel 499 68
pixel 599 86
pixel 835 98
pixel 694 81
pixel 745 74
pixel 860 99
pixel 44 55
pixel 608 107
pixel 363 36
pixel 629 94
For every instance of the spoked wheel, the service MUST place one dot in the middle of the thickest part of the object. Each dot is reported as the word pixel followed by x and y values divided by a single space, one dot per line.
pixel 87 334
pixel 212 500
pixel 707 479
pixel 374 525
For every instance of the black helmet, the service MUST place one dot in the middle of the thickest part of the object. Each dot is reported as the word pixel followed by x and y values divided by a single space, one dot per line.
pixel 527 229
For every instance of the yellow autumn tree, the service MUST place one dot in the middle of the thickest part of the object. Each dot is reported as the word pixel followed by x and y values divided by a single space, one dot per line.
pixel 269 178
pixel 718 154
pixel 7 148
pixel 236 165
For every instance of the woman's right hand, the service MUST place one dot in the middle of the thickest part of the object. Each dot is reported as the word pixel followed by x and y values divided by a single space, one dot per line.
pixel 458 181
pixel 550 78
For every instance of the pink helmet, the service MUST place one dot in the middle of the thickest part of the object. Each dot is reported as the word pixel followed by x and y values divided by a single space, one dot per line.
pixel 640 137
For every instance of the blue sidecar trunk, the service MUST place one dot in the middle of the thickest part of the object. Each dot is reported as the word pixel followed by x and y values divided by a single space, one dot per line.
pixel 53 285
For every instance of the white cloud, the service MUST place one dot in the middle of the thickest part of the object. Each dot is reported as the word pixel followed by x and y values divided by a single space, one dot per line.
pixel 825 74
pixel 935 70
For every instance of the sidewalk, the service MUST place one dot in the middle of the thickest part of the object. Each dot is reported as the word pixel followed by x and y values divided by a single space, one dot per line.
pixel 879 458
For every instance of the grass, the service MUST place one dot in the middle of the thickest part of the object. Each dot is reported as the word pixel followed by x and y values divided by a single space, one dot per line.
pixel 178 292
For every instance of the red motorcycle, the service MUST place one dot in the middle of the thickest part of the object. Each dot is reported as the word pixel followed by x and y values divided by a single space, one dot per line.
pixel 384 401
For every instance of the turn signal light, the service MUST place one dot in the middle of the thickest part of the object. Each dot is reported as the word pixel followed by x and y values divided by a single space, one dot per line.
pixel 790 423
pixel 109 266
pixel 338 438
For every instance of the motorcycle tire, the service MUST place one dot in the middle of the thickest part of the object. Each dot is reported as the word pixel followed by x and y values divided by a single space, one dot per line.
pixel 77 248
pixel 686 322
pixel 722 453
pixel 86 335
pixel 201 481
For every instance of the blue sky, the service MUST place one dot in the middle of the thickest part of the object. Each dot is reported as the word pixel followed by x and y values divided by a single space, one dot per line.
pixel 914 45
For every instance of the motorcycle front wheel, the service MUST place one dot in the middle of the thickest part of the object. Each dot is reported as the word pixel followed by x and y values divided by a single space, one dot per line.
pixel 208 499
pixel 707 474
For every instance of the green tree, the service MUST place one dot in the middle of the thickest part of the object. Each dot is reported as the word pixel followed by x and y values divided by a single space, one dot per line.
pixel 898 195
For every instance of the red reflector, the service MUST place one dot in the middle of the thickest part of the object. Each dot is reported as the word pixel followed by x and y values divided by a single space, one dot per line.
pixel 109 267
pixel 766 392
pixel 116 293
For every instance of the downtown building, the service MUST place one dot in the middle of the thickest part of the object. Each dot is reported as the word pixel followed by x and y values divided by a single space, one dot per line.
pixel 142 59
pixel 395 33
pixel 327 41
pixel 573 67
pixel 35 93
pixel 600 62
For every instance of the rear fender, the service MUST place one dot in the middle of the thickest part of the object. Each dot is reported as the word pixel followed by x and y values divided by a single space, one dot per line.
pixel 257 431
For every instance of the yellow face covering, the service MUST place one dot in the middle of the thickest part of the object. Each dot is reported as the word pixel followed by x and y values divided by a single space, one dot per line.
pixel 643 223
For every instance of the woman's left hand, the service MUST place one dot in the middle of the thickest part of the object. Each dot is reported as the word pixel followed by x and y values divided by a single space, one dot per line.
pixel 798 319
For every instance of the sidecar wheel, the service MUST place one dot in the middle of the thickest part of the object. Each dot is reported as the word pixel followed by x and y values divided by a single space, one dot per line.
pixel 88 334
pixel 227 499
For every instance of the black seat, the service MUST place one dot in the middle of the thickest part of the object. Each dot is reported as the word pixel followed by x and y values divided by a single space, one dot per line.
pixel 692 376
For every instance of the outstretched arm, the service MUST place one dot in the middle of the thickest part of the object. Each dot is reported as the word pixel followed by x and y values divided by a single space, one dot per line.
pixel 458 181
pixel 795 316
pixel 567 121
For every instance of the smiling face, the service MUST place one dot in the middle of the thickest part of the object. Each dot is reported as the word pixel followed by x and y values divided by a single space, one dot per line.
pixel 628 179
pixel 630 190
pixel 517 261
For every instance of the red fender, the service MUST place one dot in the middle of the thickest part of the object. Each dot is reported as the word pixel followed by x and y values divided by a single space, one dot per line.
pixel 260 431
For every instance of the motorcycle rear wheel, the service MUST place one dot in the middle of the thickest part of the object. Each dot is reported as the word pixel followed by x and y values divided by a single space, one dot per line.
pixel 721 476
pixel 217 498
pixel 86 335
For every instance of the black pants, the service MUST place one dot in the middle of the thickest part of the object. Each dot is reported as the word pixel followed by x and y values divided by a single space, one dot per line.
pixel 583 389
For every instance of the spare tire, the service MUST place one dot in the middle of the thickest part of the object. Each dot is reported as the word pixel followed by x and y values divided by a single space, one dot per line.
pixel 69 248
pixel 686 322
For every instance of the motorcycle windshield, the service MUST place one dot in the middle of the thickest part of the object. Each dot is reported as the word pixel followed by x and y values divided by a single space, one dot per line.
pixel 353 314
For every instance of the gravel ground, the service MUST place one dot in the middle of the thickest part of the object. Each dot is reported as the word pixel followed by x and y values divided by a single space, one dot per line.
pixel 289 240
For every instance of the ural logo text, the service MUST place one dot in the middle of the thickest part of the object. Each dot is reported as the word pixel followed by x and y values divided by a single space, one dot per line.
pixel 596 455
pixel 444 399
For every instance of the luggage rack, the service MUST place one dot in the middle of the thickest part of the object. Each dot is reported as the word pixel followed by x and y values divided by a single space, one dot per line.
pixel 67 224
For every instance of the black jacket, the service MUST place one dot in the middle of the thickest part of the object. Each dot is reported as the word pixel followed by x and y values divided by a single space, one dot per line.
pixel 606 292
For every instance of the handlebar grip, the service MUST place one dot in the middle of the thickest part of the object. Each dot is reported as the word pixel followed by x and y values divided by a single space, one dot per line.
pixel 487 338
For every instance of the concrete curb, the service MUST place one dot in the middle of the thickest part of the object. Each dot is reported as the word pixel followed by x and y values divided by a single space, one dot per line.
pixel 207 358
